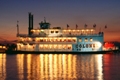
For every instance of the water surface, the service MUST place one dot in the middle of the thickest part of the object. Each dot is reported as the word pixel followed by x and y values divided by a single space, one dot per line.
pixel 60 66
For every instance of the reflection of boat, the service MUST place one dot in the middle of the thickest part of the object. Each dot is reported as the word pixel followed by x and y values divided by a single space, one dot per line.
pixel 56 39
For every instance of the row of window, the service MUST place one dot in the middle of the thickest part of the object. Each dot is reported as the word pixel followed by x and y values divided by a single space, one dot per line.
pixel 57 39
pixel 54 31
pixel 56 47
pixel 78 32
pixel 86 39
pixel 50 40
pixel 46 46
pixel 77 46
pixel 73 32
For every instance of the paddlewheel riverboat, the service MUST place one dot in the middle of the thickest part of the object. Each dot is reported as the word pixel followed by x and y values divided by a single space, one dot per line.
pixel 57 39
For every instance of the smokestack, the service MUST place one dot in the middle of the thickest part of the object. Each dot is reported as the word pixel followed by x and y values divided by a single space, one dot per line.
pixel 32 21
pixel 30 16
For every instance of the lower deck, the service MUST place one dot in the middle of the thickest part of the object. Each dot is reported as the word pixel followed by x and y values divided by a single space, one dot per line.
pixel 78 47
pixel 69 44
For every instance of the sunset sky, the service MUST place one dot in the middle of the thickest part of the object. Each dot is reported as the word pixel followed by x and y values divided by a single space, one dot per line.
pixel 60 13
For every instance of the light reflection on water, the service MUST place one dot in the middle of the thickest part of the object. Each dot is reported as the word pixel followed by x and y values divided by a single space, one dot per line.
pixel 57 66
pixel 2 66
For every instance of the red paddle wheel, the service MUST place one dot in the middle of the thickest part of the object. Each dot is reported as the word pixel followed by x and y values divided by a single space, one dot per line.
pixel 109 45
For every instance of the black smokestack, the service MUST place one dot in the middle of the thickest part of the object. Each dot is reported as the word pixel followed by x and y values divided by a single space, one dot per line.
pixel 30 23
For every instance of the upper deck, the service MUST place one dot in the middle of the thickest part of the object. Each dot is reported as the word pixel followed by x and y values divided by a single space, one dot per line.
pixel 61 33
pixel 46 31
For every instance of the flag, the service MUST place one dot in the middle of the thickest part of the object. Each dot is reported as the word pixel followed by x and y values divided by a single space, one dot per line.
pixel 67 26
pixel 105 26
pixel 76 26
pixel 85 25
pixel 94 26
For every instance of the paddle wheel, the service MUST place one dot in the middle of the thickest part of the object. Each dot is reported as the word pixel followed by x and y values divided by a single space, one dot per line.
pixel 109 46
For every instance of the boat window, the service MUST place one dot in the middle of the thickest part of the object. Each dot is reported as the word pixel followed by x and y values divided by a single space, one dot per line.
pixel 33 39
pixel 69 47
pixel 86 40
pixel 69 40
pixel 56 31
pixel 91 39
pixel 41 40
pixel 80 40
pixel 64 40
pixel 74 40
pixel 48 40
pixel 52 31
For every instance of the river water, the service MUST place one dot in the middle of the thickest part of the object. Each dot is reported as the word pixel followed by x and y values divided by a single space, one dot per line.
pixel 60 66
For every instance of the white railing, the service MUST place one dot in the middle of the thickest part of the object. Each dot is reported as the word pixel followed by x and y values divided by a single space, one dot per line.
pixel 67 35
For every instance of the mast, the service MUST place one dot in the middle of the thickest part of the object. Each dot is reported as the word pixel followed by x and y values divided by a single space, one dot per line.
pixel 30 27
pixel 44 20
pixel 17 27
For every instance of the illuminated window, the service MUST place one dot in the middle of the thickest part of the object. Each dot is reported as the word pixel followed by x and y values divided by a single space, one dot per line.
pixel 41 40
pixel 69 40
pixel 52 40
pixel 50 46
pixel 80 40
pixel 42 30
pixel 74 40
pixel 59 46
pixel 41 46
pixel 64 46
pixel 91 39
pixel 86 40
pixel 44 40
pixel 60 40
pixel 69 46
pixel 45 46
